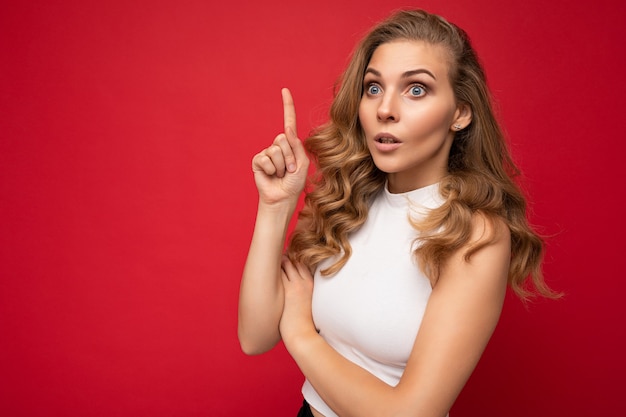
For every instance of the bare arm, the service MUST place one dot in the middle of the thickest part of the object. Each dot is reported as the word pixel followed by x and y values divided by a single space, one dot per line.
pixel 280 172
pixel 461 315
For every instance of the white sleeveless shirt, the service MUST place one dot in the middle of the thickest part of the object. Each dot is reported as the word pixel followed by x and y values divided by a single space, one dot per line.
pixel 371 310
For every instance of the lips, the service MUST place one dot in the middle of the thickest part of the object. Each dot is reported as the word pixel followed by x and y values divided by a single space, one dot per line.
pixel 385 142
pixel 386 138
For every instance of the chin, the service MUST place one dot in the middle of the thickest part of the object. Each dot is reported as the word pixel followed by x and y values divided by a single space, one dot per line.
pixel 386 167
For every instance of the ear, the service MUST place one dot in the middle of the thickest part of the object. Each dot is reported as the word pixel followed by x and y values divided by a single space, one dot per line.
pixel 462 117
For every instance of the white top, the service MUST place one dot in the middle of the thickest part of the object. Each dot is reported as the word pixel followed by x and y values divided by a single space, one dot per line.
pixel 370 311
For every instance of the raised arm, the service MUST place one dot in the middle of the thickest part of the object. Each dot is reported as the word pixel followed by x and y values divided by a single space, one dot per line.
pixel 460 317
pixel 280 173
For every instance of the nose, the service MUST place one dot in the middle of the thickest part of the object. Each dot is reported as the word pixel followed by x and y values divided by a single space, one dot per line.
pixel 387 109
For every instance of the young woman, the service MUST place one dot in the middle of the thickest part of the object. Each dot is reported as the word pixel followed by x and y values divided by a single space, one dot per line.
pixel 395 275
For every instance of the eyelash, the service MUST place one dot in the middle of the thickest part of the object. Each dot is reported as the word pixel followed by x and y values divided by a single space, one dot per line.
pixel 420 86
pixel 368 87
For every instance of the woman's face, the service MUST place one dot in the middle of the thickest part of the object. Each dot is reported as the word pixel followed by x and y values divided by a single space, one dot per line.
pixel 408 111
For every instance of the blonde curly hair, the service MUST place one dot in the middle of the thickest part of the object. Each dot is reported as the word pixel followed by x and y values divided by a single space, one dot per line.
pixel 480 168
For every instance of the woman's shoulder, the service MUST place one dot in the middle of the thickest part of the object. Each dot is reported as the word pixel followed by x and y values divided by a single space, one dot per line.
pixel 488 229
pixel 484 258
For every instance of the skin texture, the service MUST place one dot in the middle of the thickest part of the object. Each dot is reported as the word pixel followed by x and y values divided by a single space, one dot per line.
pixel 280 173
pixel 420 112
pixel 407 95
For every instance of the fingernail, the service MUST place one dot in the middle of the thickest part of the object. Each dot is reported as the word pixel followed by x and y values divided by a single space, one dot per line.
pixel 291 167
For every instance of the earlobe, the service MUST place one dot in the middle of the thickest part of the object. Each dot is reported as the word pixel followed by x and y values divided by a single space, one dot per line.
pixel 463 117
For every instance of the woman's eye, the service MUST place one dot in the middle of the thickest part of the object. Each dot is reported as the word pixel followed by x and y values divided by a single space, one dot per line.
pixel 417 90
pixel 373 89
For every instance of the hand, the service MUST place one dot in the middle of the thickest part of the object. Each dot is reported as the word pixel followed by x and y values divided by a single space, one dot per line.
pixel 297 318
pixel 280 170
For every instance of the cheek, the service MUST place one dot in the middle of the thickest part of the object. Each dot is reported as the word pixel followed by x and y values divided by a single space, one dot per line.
pixel 437 118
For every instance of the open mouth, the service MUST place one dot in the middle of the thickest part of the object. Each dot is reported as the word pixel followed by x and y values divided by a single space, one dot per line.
pixel 386 139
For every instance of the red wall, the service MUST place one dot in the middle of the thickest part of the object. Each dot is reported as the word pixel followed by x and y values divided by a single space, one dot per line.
pixel 127 200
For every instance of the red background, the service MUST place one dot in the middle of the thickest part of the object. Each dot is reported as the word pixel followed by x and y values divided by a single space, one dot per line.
pixel 127 201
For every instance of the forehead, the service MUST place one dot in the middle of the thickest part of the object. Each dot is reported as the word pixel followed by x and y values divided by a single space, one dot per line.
pixel 397 57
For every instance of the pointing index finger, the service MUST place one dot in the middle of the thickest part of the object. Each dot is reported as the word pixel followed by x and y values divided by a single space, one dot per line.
pixel 289 113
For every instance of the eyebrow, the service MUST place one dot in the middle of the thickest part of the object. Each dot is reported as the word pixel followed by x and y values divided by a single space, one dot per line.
pixel 405 74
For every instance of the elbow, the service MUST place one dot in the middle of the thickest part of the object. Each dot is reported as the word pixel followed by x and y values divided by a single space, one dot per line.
pixel 250 349
pixel 251 346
